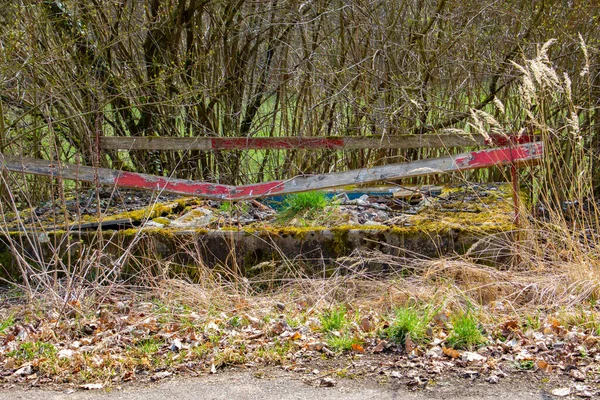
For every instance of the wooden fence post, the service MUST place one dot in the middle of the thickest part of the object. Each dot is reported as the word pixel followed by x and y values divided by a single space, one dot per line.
pixel 4 195
pixel 515 189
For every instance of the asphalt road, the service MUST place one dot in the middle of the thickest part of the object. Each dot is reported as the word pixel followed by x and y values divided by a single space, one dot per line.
pixel 277 384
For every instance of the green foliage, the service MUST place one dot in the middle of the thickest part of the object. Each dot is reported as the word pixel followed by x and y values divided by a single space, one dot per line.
pixel 226 206
pixel 533 322
pixel 525 365
pixel 6 323
pixel 282 347
pixel 148 346
pixel 228 356
pixel 235 321
pixel 303 203
pixel 28 351
pixel 214 338
pixel 275 351
pixel 202 350
pixel 336 325
pixel 234 207
pixel 295 322
pixel 409 321
pixel 334 320
pixel 342 342
pixel 466 332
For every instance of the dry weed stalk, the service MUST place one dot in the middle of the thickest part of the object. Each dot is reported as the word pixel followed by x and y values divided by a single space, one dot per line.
pixel 56 266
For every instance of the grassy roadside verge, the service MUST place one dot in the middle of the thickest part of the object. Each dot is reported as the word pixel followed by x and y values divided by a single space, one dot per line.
pixel 125 335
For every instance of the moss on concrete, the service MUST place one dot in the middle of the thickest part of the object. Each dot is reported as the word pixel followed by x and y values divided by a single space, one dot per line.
pixel 340 240
pixel 431 232
pixel 162 220
pixel 154 211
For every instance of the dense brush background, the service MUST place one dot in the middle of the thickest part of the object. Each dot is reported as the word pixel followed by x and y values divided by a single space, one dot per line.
pixel 73 70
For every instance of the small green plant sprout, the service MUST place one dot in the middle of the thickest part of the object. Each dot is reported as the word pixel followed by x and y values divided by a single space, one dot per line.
pixel 334 320
pixel 345 342
pixel 533 322
pixel 149 345
pixel 28 351
pixel 466 332
pixel 336 325
pixel 6 323
pixel 238 207
pixel 409 321
pixel 303 203
pixel 235 321
pixel 524 365
pixel 226 206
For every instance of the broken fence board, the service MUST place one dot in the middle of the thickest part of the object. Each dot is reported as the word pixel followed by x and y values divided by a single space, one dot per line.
pixel 298 142
pixel 519 155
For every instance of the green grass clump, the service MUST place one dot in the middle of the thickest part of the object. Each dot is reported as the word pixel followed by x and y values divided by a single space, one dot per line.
pixel 28 351
pixel 466 332
pixel 226 206
pixel 336 325
pixel 525 365
pixel 303 203
pixel 334 320
pixel 409 321
pixel 7 323
pixel 148 346
pixel 342 343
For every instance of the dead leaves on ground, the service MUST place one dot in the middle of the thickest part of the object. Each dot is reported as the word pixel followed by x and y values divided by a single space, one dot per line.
pixel 126 341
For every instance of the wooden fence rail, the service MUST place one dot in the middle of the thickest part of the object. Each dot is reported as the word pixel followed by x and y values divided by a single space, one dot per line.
pixel 514 155
pixel 299 142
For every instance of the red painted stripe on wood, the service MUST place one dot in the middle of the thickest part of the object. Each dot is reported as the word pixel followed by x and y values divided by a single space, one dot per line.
pixel 277 143
pixel 258 190
pixel 200 189
pixel 507 155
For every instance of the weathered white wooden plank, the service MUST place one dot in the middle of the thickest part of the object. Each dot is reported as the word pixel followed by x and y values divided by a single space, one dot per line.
pixel 331 142
pixel 518 155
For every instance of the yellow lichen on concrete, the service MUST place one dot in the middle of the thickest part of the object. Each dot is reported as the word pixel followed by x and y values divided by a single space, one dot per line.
pixel 152 211
pixel 491 213
pixel 298 232
pixel 162 220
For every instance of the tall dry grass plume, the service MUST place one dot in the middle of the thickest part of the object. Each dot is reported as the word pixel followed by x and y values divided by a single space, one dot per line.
pixel 556 259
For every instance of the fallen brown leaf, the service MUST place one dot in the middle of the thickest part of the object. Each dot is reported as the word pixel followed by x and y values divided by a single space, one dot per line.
pixel 357 347
pixel 380 346
pixel 366 325
pixel 9 363
pixel 450 352
pixel 544 366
